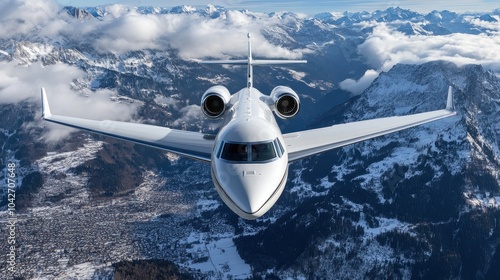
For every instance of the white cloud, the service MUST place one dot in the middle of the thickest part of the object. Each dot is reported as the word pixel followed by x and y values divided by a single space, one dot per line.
pixel 22 16
pixel 18 83
pixel 386 48
pixel 190 114
pixel 117 10
pixel 214 39
pixel 357 87
pixel 22 83
pixel 494 27
pixel 223 37
pixel 128 33
pixel 124 29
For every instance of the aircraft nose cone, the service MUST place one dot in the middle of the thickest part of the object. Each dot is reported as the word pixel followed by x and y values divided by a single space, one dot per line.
pixel 247 189
pixel 252 197
pixel 250 190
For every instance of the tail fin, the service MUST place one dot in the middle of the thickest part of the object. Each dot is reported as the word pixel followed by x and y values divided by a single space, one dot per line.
pixel 250 62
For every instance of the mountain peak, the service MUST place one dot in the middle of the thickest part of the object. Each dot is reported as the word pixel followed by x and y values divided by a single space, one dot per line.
pixel 488 18
pixel 183 9
pixel 78 13
pixel 395 13
pixel 440 16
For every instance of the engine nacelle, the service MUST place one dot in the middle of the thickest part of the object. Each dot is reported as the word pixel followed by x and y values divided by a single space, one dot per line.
pixel 286 102
pixel 214 100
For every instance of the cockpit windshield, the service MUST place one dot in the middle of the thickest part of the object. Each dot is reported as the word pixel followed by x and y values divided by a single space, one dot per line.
pixel 263 152
pixel 250 152
pixel 235 152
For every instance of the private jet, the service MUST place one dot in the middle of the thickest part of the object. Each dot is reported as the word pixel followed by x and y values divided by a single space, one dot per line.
pixel 249 156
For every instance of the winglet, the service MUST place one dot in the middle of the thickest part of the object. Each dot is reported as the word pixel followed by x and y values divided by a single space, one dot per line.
pixel 449 103
pixel 45 105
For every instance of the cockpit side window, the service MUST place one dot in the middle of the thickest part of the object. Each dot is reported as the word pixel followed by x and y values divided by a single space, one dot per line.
pixel 263 151
pixel 279 147
pixel 235 152
pixel 219 149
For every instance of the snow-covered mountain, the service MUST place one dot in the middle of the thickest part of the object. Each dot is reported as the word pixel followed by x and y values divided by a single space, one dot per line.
pixel 421 203
pixel 400 205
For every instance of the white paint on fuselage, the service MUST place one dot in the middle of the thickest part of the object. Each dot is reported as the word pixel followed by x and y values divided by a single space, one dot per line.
pixel 250 189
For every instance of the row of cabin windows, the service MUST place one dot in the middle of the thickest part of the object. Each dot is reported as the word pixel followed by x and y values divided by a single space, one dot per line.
pixel 251 152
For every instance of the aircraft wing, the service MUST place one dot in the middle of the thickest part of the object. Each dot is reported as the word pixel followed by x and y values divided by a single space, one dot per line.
pixel 309 142
pixel 185 143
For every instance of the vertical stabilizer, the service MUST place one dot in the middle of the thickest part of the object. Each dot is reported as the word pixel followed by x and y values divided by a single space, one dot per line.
pixel 250 68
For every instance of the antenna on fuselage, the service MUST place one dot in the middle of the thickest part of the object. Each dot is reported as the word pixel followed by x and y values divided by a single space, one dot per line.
pixel 250 62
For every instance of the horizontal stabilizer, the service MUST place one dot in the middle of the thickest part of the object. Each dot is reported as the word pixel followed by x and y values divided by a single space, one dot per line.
pixel 254 62
pixel 276 61
pixel 250 62
pixel 239 62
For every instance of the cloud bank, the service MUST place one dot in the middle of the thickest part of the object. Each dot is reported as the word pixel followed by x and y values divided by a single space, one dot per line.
pixel 126 29
pixel 386 47
pixel 22 16
pixel 193 35
pixel 22 83
pixel 358 86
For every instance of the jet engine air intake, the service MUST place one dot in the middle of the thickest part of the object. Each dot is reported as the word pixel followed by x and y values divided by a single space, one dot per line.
pixel 214 100
pixel 286 102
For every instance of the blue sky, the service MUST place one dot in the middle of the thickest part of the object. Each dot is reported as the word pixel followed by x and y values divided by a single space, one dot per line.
pixel 311 7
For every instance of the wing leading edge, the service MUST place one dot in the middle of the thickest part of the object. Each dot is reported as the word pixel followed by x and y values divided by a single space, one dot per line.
pixel 190 144
pixel 309 142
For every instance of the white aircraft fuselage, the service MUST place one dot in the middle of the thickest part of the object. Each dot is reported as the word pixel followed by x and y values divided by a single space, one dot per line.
pixel 247 179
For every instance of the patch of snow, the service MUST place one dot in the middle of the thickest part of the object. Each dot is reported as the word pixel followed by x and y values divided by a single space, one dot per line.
pixel 296 74
pixel 173 158
pixel 83 271
pixel 217 255
pixel 59 179
pixel 385 225
pixel 166 101
pixel 479 200
pixel 204 205
pixel 219 79
pixel 149 183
